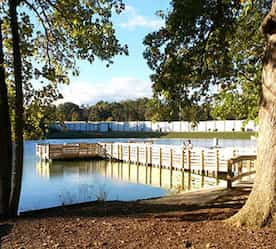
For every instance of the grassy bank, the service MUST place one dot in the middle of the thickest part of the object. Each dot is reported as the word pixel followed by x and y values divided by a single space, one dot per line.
pixel 221 135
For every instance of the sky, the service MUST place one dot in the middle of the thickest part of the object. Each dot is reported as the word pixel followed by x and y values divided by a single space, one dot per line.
pixel 128 77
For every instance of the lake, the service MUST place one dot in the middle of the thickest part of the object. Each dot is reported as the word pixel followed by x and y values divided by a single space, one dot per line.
pixel 62 183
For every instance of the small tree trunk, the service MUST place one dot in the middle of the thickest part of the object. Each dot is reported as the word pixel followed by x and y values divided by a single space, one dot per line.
pixel 19 121
pixel 5 137
pixel 260 207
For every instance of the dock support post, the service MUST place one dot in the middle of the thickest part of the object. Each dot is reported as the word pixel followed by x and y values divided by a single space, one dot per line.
pixel 129 171
pixel 111 170
pixel 146 163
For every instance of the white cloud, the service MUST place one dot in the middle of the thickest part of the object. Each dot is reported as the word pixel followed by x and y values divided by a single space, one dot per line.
pixel 117 89
pixel 134 20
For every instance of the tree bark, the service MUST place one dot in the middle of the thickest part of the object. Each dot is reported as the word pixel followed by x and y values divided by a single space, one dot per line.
pixel 260 208
pixel 5 137
pixel 19 120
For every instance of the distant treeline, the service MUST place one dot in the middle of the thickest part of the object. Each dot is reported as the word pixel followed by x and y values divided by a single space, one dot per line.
pixel 129 110
pixel 143 109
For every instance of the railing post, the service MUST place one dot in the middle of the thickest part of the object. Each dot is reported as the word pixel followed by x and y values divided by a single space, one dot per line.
pixel 137 154
pixel 160 166
pixel 128 153
pixel 248 165
pixel 189 169
pixel 171 167
pixel 146 152
pixel 240 168
pixel 217 166
pixel 105 151
pixel 202 168
pixel 150 175
pixel 122 153
pixel 229 174
pixel 150 155
pixel 189 160
pixel 111 152
pixel 182 168
pixel 202 163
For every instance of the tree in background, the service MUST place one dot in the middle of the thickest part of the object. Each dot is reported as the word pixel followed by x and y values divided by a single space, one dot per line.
pixel 240 98
pixel 66 111
pixel 209 50
pixel 142 109
pixel 206 44
pixel 64 31
pixel 99 112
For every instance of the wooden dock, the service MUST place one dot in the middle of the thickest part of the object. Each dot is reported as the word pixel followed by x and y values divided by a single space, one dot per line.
pixel 69 151
pixel 230 164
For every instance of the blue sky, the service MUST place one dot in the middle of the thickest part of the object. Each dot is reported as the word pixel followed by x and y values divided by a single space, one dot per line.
pixel 128 77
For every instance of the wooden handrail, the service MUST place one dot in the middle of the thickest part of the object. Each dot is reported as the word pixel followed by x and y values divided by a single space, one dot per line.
pixel 243 158
pixel 239 159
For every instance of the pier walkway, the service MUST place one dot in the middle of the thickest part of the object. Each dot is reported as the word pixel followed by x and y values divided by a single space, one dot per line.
pixel 229 164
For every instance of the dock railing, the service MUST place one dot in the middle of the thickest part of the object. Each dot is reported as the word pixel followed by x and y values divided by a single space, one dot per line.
pixel 230 164
pixel 202 161
pixel 69 151
pixel 240 167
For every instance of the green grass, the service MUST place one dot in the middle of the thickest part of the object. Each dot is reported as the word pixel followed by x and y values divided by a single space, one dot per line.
pixel 119 134
pixel 221 135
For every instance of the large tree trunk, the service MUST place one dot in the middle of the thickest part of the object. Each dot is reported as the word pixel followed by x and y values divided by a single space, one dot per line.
pixel 260 208
pixel 5 137
pixel 19 121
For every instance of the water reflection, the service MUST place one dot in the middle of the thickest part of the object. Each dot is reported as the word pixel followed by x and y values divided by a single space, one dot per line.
pixel 119 173
pixel 61 183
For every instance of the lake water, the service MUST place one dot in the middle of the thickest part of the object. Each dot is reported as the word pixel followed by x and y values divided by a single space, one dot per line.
pixel 61 183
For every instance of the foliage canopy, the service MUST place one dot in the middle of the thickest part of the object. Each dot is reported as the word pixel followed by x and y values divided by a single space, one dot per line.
pixel 209 50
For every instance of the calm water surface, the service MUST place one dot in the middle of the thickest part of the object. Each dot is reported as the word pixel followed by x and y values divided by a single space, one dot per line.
pixel 61 183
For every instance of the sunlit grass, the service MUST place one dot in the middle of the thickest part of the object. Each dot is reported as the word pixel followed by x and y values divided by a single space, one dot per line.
pixel 221 135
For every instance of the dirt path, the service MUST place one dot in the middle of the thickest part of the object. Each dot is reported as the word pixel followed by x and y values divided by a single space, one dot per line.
pixel 191 220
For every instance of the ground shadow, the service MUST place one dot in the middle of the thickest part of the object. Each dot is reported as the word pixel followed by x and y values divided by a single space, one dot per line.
pixel 5 229
pixel 218 209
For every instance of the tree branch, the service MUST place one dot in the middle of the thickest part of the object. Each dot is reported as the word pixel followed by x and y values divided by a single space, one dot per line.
pixel 32 7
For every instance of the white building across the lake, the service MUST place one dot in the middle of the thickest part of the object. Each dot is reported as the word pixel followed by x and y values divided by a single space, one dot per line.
pixel 148 126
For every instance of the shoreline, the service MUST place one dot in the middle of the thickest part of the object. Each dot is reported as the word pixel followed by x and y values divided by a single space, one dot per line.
pixel 210 192
pixel 190 220
pixel 170 135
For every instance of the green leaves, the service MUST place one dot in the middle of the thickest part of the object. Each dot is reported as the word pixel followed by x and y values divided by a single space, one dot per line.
pixel 54 35
pixel 205 45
